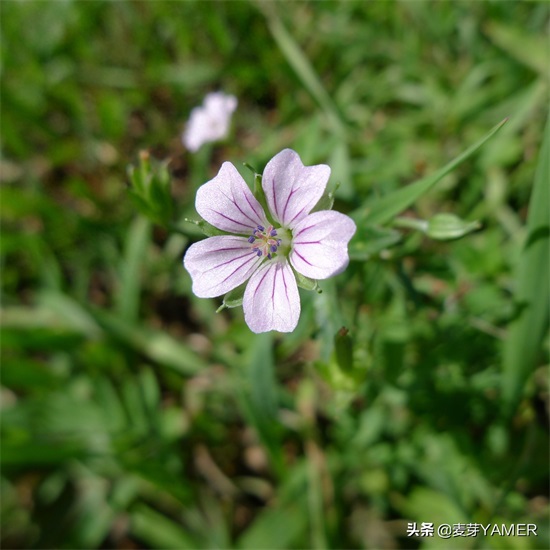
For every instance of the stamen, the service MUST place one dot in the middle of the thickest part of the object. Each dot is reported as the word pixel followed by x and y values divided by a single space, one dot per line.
pixel 264 242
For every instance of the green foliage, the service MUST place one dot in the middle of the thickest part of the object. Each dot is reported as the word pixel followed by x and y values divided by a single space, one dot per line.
pixel 526 333
pixel 384 209
pixel 134 416
pixel 150 189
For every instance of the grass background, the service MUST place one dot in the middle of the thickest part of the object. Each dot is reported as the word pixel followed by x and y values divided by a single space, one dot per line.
pixel 134 416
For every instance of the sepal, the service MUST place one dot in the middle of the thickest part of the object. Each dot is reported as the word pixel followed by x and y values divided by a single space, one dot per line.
pixel 306 283
pixel 208 229
pixel 326 202
pixel 234 298
pixel 260 194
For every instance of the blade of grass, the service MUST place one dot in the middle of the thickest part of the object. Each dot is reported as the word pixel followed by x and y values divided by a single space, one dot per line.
pixel 527 48
pixel 522 346
pixel 283 523
pixel 259 399
pixel 158 531
pixel 128 294
pixel 302 66
pixel 157 346
pixel 384 209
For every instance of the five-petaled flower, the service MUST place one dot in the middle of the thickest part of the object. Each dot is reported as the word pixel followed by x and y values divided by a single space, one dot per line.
pixel 266 248
pixel 210 121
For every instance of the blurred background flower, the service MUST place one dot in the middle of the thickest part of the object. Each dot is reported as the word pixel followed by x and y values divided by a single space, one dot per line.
pixel 209 122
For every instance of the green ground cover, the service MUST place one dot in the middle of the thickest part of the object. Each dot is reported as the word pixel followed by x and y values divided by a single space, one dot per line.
pixel 135 416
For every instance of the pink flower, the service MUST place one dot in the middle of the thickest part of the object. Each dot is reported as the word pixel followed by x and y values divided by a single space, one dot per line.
pixel 210 122
pixel 266 248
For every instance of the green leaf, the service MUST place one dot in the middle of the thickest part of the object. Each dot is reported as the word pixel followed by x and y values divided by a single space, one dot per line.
pixel 384 209
pixel 523 345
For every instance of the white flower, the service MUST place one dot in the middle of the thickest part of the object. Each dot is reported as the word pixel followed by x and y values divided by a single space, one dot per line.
pixel 265 248
pixel 210 122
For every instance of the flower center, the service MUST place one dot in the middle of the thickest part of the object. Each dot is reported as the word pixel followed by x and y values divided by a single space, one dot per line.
pixel 265 242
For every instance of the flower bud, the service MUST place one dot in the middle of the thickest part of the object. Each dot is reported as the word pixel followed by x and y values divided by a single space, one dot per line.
pixel 150 188
pixel 448 226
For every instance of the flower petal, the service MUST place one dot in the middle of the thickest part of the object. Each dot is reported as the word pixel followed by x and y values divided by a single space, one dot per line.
pixel 227 203
pixel 220 264
pixel 320 244
pixel 292 189
pixel 271 300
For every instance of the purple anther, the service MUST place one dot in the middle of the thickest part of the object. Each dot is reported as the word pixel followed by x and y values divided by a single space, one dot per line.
pixel 278 242
pixel 273 233
pixel 273 248
pixel 251 239
pixel 269 256
pixel 259 253
pixel 261 228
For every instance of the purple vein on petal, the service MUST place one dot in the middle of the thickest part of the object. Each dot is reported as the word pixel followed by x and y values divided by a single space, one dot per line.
pixel 230 219
pixel 274 198
pixel 286 288
pixel 253 207
pixel 230 261
pixel 307 242
pixel 260 283
pixel 292 191
pixel 304 229
pixel 234 201
pixel 298 254
pixel 297 214
pixel 274 282
pixel 240 267
pixel 231 248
